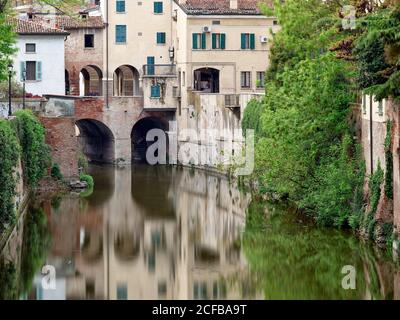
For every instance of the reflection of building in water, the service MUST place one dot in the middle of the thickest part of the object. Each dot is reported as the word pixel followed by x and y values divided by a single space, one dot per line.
pixel 160 233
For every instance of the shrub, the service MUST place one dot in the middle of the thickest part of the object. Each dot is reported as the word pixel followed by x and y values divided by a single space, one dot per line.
pixel 56 171
pixel 88 179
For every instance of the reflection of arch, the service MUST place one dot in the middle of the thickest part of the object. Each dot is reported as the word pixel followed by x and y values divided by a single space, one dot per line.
pixel 91 81
pixel 96 140
pixel 206 80
pixel 104 185
pixel 138 137
pixel 126 81
pixel 126 245
pixel 67 84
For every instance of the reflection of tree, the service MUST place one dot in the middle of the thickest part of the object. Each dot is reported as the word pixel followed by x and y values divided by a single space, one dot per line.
pixel 293 261
pixel 35 245
pixel 8 281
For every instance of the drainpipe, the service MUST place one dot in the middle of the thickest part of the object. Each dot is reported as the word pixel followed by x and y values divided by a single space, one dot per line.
pixel 371 135
pixel 107 73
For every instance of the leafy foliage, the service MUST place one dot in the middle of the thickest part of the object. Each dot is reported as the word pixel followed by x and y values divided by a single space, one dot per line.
pixel 35 152
pixel 9 155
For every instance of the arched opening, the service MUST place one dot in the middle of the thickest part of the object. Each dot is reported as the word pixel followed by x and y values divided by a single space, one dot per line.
pixel 96 140
pixel 92 246
pixel 206 80
pixel 138 137
pixel 126 81
pixel 126 245
pixel 67 84
pixel 90 81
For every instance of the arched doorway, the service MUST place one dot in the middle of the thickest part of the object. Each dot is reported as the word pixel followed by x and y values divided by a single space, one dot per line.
pixel 96 140
pixel 206 80
pixel 138 137
pixel 126 81
pixel 90 81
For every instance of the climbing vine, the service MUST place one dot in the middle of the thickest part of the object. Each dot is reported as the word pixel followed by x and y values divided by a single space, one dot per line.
pixel 35 152
pixel 389 161
pixel 9 155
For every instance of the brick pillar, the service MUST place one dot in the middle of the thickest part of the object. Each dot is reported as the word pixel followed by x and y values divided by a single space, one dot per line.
pixel 60 135
pixel 123 152
pixel 74 82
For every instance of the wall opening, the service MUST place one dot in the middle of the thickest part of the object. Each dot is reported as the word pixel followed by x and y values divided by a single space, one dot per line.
pixel 206 80
pixel 90 81
pixel 126 81
pixel 96 141
pixel 138 137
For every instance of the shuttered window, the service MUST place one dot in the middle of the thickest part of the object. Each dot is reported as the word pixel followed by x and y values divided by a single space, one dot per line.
pixel 260 79
pixel 158 7
pixel 120 6
pixel 245 79
pixel 248 41
pixel 160 37
pixel 120 33
pixel 155 91
pixel 32 69
pixel 218 40
pixel 199 41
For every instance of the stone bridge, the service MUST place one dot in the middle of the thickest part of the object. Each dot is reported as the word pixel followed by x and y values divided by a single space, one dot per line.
pixel 106 133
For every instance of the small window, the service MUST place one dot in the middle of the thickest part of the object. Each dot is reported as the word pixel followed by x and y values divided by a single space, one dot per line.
pixel 120 33
pixel 216 22
pixel 260 79
pixel 245 79
pixel 30 47
pixel 160 37
pixel 275 22
pixel 162 289
pixel 89 41
pixel 155 91
pixel 120 6
pixel 158 7
pixel 248 41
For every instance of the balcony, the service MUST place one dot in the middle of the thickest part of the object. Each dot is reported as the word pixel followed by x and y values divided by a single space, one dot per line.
pixel 159 70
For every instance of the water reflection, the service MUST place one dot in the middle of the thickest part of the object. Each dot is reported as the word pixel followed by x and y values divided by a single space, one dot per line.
pixel 173 233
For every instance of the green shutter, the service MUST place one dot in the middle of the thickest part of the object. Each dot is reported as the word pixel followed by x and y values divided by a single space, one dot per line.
pixel 252 41
pixel 38 70
pixel 155 91
pixel 222 40
pixel 158 7
pixel 195 44
pixel 203 40
pixel 214 41
pixel 22 69
pixel 243 41
pixel 120 33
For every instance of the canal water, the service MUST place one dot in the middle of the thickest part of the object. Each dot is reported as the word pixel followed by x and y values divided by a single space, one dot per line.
pixel 175 233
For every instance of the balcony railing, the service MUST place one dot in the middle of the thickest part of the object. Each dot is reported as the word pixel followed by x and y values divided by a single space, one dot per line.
pixel 157 70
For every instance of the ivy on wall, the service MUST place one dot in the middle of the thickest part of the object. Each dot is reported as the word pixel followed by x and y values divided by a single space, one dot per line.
pixel 9 155
pixel 389 161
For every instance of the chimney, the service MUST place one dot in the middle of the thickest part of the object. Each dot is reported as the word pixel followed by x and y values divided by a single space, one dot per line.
pixel 233 4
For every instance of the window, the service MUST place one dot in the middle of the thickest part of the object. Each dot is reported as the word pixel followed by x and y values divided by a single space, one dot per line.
pixel 122 292
pixel 158 7
pixel 89 40
pixel 218 40
pixel 364 104
pixel 33 70
pixel 245 79
pixel 380 108
pixel 30 47
pixel 160 37
pixel 200 291
pixel 120 6
pixel 216 22
pixel 120 33
pixel 260 79
pixel 199 41
pixel 155 91
pixel 162 289
pixel 248 41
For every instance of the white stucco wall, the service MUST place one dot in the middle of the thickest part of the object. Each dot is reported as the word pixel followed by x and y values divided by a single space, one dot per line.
pixel 50 51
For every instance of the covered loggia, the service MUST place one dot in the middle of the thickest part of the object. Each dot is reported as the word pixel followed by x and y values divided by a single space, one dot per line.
pixel 96 140
pixel 139 134
pixel 206 80
pixel 90 81
pixel 126 81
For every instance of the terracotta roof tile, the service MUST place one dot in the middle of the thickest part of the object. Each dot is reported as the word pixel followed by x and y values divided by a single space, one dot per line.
pixel 34 27
pixel 211 7
pixel 67 22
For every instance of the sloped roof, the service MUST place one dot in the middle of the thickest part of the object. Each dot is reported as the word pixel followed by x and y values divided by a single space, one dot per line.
pixel 222 7
pixel 68 22
pixel 34 27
